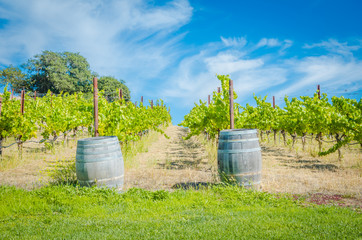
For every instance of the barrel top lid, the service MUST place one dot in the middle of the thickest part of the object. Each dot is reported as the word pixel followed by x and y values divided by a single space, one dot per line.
pixel 238 131
pixel 96 140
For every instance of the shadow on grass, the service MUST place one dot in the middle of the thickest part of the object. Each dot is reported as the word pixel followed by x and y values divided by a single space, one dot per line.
pixel 308 161
pixel 320 167
pixel 206 185
pixel 183 164
pixel 184 154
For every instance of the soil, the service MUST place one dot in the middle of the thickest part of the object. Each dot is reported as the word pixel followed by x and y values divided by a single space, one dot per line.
pixel 171 162
pixel 177 163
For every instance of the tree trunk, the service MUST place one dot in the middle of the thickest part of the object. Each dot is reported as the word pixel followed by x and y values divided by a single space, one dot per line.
pixel 55 136
pixel 284 138
pixel 1 144
pixel 217 137
pixel 294 136
pixel 339 149
pixel 65 139
pixel 275 136
pixel 261 135
pixel 303 140
pixel 75 131
pixel 319 139
pixel 20 147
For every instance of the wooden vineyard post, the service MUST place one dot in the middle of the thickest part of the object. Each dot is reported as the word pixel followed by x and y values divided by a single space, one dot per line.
pixel 319 91
pixel 12 94
pixel 95 101
pixel 142 100
pixel 35 95
pixel 274 102
pixel 231 94
pixel 151 104
pixel 218 90
pixel 208 100
pixel 22 101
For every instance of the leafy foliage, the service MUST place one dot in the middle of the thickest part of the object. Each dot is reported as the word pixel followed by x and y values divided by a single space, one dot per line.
pixel 341 117
pixel 57 72
pixel 214 117
pixel 15 77
pixel 55 115
pixel 111 86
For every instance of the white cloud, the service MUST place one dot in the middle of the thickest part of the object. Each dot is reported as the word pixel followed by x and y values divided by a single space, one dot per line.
pixel 228 63
pixel 116 36
pixel 234 42
pixel 269 74
pixel 334 46
pixel 331 71
pixel 196 75
pixel 268 42
pixel 286 44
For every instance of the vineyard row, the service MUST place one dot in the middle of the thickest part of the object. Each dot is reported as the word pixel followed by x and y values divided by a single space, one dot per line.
pixel 52 116
pixel 317 116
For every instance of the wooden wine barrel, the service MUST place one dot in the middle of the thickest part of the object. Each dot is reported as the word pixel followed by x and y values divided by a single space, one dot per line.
pixel 239 157
pixel 99 162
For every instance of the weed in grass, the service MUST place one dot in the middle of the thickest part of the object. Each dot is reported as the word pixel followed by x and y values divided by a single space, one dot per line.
pixel 61 171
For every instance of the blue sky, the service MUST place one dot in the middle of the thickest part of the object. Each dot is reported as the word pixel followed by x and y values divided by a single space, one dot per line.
pixel 174 49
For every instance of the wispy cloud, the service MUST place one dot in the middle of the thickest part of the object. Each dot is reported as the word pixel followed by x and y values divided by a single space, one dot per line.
pixel 229 63
pixel 333 46
pixel 196 75
pixel 116 36
pixel 234 42
pixel 334 73
pixel 272 74
pixel 268 42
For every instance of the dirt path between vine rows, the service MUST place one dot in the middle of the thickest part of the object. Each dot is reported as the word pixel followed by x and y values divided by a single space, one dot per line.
pixel 171 162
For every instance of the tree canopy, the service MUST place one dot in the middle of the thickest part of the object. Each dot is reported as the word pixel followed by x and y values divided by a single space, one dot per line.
pixel 110 85
pixel 59 72
pixel 15 77
pixel 67 72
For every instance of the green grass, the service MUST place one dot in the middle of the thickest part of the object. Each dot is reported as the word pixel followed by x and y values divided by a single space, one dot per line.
pixel 219 212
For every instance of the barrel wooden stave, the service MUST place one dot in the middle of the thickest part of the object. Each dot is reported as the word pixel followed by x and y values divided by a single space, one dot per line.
pixel 239 156
pixel 99 161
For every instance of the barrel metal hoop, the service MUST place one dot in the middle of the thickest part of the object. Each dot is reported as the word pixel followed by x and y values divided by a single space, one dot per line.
pixel 240 140
pixel 98 159
pixel 97 140
pixel 98 145
pixel 93 151
pixel 239 150
pixel 245 174
pixel 238 132
pixel 103 179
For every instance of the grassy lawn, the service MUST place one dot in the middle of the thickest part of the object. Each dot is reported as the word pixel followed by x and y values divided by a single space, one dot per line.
pixel 219 212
